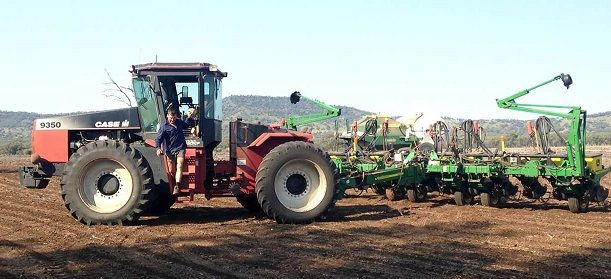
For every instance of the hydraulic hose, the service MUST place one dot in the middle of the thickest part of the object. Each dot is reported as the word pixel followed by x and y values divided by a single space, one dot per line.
pixel 371 129
pixel 467 131
pixel 543 127
pixel 440 134
pixel 472 137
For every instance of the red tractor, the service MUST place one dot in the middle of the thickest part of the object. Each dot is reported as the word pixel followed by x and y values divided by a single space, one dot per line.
pixel 110 173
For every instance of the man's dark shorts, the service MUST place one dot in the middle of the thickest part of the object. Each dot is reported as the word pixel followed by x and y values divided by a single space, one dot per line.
pixel 172 157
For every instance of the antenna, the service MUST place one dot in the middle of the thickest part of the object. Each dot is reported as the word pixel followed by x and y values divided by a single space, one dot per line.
pixel 155 58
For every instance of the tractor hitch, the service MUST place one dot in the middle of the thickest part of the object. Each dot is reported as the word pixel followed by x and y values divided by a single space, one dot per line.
pixel 32 177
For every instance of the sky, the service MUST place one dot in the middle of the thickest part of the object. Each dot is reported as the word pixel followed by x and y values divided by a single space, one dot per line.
pixel 453 58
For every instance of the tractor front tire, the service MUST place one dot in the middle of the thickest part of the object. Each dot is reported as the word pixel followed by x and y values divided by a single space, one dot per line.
pixel 106 182
pixel 295 183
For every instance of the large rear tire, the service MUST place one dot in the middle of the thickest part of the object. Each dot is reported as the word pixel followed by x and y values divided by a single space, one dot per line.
pixel 106 182
pixel 295 183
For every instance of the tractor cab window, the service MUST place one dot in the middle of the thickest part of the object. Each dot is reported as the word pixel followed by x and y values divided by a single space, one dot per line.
pixel 213 104
pixel 143 92
pixel 218 100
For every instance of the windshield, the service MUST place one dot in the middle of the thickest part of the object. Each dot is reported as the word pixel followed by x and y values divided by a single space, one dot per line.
pixel 146 104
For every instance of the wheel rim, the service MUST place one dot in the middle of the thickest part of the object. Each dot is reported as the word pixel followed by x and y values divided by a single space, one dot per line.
pixel 300 185
pixel 105 186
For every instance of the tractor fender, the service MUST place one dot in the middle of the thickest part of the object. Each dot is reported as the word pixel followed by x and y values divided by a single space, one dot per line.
pixel 160 177
pixel 273 138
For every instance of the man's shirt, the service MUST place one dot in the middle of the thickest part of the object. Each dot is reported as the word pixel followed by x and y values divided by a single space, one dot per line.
pixel 172 138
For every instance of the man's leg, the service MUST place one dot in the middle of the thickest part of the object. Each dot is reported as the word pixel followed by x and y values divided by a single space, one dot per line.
pixel 172 160
pixel 180 159
pixel 171 163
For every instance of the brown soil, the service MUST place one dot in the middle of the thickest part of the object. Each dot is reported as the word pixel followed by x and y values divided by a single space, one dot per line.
pixel 363 237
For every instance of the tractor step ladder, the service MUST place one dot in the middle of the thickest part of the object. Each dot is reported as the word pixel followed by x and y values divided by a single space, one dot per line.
pixel 193 174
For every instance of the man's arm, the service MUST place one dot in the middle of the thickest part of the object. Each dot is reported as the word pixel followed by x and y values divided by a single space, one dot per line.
pixel 159 140
pixel 182 124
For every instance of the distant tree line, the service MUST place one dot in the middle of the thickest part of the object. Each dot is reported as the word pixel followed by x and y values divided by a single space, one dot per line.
pixel 522 140
pixel 15 127
pixel 15 147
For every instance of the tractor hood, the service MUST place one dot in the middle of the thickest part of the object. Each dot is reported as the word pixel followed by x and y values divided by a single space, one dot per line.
pixel 119 119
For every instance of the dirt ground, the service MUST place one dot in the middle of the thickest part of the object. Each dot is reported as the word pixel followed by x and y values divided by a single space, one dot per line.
pixel 363 237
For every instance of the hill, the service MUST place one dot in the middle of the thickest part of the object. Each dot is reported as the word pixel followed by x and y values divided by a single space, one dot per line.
pixel 267 109
pixel 15 127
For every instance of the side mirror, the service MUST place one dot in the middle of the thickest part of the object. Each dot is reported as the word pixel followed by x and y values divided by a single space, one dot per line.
pixel 566 79
pixel 185 91
pixel 295 97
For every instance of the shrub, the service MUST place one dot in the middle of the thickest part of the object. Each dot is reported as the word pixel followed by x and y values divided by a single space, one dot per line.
pixel 15 147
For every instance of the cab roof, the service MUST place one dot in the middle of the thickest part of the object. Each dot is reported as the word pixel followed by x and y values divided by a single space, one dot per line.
pixel 141 69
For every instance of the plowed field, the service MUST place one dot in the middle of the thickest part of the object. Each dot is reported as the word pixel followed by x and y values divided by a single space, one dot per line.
pixel 363 237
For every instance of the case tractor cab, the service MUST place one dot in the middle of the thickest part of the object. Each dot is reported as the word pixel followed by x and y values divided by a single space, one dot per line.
pixel 110 173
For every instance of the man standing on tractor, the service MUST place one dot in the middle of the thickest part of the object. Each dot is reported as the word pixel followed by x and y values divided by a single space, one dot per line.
pixel 174 144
